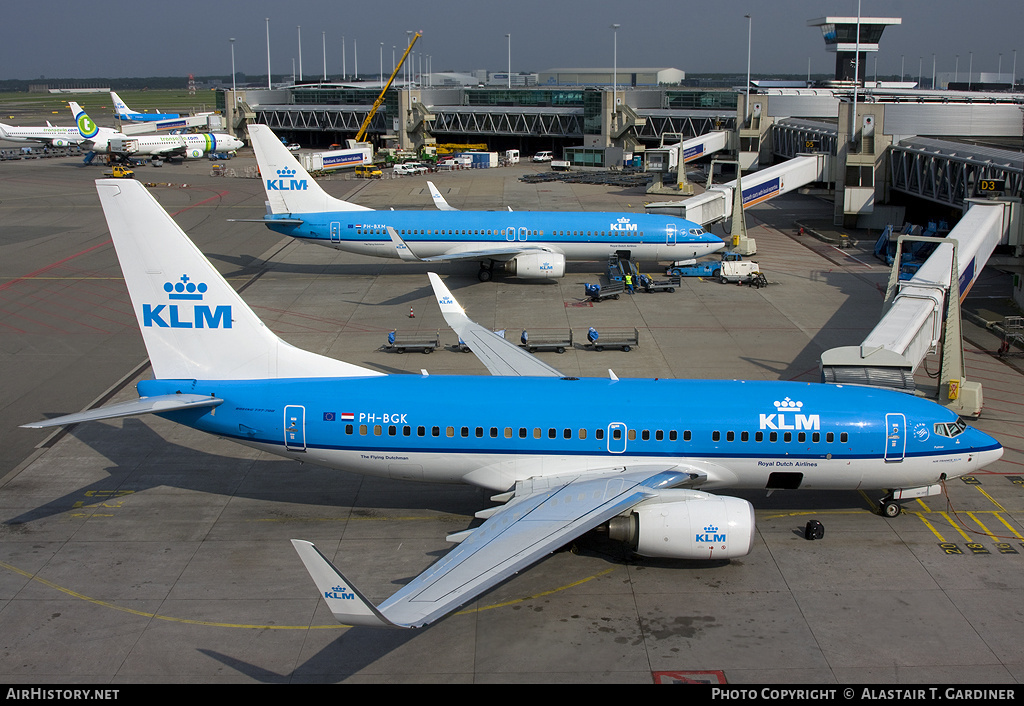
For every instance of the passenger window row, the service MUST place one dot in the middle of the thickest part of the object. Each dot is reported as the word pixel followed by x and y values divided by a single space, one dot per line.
pixel 502 232
pixel 568 433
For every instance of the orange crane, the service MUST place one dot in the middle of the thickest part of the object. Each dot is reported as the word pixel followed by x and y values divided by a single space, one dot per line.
pixel 380 99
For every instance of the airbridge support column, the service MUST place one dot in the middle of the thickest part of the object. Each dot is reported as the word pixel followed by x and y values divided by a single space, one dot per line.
pixel 754 149
pixel 860 171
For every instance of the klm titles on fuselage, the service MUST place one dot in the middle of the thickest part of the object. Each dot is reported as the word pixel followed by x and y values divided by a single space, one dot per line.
pixel 184 315
pixel 286 182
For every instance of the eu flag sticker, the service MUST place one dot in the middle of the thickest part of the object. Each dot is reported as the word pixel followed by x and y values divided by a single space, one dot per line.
pixel 329 416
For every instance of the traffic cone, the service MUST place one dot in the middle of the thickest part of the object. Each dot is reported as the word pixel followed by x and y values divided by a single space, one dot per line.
pixel 411 314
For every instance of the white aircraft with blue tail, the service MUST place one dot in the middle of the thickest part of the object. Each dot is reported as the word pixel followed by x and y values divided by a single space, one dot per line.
pixel 526 244
pixel 644 468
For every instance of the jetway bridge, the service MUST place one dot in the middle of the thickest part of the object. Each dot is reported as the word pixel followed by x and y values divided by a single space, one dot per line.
pixel 922 313
pixel 715 204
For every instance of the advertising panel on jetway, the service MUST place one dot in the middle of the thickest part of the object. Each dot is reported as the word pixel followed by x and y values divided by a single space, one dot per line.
pixel 762 192
pixel 691 153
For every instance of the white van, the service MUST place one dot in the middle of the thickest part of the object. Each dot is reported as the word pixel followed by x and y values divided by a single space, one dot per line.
pixel 543 157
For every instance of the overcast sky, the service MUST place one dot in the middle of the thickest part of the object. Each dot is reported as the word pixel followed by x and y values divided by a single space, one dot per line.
pixel 122 38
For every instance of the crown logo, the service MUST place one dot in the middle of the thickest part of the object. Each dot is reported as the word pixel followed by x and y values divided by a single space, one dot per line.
pixel 711 528
pixel 623 220
pixel 185 289
pixel 788 405
pixel 338 589
pixel 286 172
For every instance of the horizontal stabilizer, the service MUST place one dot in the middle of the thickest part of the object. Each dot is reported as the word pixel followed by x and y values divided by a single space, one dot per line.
pixel 269 221
pixel 144 405
pixel 348 604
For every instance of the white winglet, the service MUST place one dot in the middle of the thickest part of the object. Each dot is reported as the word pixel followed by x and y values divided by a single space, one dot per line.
pixel 403 250
pixel 439 201
pixel 499 356
pixel 345 601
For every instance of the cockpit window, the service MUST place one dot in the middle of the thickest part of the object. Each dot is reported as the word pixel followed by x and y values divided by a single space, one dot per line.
pixel 697 231
pixel 951 429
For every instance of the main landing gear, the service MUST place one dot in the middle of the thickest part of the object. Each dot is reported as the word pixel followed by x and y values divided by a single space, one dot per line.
pixel 486 272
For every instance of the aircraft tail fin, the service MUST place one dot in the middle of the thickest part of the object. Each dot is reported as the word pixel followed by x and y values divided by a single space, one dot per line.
pixel 119 105
pixel 290 188
pixel 86 127
pixel 194 324
pixel 345 601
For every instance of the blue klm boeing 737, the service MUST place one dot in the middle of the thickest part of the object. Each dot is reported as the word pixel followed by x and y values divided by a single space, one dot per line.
pixel 642 468
pixel 528 244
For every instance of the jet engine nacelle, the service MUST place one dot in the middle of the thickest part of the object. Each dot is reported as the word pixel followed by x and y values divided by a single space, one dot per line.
pixel 687 524
pixel 60 142
pixel 194 153
pixel 537 265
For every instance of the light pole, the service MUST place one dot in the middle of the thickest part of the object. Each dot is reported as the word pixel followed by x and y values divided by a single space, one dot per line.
pixel 508 75
pixel 300 52
pixel 268 54
pixel 615 62
pixel 746 100
pixel 325 55
pixel 382 64
pixel 233 89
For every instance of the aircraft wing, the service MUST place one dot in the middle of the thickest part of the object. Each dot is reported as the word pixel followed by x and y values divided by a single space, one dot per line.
pixel 543 515
pixel 500 252
pixel 499 356
pixel 143 405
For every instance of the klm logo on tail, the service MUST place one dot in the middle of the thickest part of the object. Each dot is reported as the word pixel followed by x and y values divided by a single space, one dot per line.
pixel 284 182
pixel 183 315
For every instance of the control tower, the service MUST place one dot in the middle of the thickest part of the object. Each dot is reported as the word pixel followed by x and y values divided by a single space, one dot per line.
pixel 840 35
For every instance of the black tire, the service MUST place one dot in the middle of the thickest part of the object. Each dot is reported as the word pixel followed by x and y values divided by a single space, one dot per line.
pixel 625 349
pixel 484 275
pixel 891 509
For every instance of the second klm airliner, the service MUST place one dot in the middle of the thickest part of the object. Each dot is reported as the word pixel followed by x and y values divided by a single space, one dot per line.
pixel 526 244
